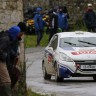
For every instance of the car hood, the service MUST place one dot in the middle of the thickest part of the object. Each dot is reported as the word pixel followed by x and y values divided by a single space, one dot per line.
pixel 83 53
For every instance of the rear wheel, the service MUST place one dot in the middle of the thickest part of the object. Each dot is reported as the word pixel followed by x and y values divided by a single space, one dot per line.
pixel 45 75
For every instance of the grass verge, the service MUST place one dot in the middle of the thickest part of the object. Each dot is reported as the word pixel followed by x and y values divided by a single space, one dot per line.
pixel 30 93
pixel 30 40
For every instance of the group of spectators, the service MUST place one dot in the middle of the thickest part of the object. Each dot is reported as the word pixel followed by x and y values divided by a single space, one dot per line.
pixel 9 52
pixel 58 18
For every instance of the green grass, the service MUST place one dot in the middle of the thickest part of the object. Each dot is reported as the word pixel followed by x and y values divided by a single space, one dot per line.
pixel 30 93
pixel 30 40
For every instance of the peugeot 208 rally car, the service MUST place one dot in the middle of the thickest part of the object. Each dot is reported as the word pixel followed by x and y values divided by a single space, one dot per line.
pixel 70 54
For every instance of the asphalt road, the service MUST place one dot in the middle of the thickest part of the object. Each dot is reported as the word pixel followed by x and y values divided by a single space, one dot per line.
pixel 77 86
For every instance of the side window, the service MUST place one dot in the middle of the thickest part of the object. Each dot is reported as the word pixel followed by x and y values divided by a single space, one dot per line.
pixel 54 42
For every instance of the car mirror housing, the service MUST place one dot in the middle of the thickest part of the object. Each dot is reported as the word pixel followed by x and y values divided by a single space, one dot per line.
pixel 50 49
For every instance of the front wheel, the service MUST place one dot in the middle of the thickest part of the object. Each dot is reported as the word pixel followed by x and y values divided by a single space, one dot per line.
pixel 57 77
pixel 45 75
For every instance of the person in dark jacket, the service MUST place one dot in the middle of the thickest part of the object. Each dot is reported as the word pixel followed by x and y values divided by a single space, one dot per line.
pixel 65 11
pixel 39 25
pixel 7 61
pixel 62 20
pixel 22 26
pixel 5 81
pixel 14 35
pixel 53 23
pixel 90 19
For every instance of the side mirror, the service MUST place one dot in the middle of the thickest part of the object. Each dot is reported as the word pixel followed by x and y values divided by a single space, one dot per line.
pixel 50 49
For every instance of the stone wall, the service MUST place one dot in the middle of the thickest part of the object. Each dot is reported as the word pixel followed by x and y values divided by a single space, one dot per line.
pixel 11 12
pixel 35 3
pixel 76 8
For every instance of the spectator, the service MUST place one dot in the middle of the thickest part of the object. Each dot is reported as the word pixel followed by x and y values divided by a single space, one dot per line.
pixel 15 35
pixel 62 20
pixel 90 19
pixel 5 80
pixel 39 25
pixel 23 29
pixel 9 41
pixel 65 11
pixel 22 26
pixel 53 23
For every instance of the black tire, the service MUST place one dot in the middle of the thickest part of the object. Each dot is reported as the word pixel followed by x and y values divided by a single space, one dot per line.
pixel 57 77
pixel 94 78
pixel 45 75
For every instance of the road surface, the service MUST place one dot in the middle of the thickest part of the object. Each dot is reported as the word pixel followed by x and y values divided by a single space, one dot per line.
pixel 77 86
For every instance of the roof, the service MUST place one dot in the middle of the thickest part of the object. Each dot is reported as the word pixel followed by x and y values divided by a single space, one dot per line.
pixel 76 34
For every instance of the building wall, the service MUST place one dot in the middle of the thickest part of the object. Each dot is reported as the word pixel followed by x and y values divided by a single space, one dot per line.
pixel 11 12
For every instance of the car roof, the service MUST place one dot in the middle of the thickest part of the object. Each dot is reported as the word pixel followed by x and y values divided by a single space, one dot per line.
pixel 76 34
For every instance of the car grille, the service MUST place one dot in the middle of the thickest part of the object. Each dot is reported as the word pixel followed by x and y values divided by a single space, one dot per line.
pixel 86 62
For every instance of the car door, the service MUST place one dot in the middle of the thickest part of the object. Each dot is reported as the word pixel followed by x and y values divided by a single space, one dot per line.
pixel 50 54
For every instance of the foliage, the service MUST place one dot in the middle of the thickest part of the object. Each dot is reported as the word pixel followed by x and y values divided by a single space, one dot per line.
pixel 80 25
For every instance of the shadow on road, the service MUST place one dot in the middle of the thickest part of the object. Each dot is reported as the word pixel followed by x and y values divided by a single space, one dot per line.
pixel 69 81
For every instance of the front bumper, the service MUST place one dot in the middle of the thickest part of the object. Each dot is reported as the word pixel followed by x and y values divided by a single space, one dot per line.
pixel 64 72
pixel 72 70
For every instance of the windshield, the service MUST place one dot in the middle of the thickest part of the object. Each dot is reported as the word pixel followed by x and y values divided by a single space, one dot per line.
pixel 78 42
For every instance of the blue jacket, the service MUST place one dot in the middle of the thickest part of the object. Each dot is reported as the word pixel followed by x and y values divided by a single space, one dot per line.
pixel 39 22
pixel 62 21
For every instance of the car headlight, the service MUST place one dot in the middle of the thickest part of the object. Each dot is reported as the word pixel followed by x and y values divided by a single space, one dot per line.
pixel 64 57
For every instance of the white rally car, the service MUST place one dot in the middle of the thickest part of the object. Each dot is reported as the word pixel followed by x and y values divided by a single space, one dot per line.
pixel 70 54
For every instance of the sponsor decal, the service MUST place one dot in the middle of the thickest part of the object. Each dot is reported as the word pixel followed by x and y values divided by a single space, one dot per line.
pixel 84 52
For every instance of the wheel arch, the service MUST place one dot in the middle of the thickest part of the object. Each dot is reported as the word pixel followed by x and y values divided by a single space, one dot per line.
pixel 42 63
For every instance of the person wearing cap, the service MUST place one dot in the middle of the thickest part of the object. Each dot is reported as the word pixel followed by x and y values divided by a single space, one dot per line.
pixel 90 19
pixel 14 35
pixel 39 25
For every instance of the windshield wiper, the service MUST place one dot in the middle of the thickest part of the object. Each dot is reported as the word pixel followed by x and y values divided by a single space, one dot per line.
pixel 75 44
pixel 87 42
pixel 70 43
